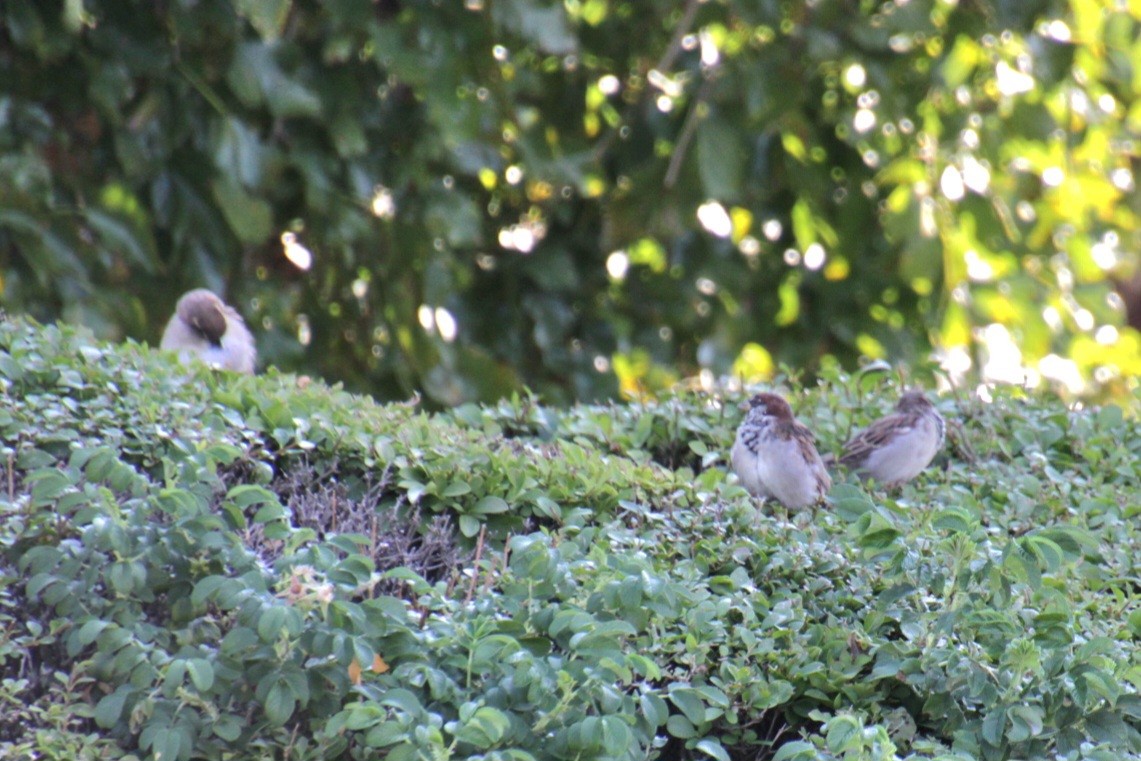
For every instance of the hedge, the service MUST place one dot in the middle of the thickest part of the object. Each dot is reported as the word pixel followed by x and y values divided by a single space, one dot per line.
pixel 196 565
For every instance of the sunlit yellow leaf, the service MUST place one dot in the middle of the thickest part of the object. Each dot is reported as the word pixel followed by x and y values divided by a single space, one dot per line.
pixel 1100 196
pixel 899 199
pixel 999 308
pixel 742 222
pixel 1088 18
pixel 794 146
pixel 594 11
pixel 870 347
pixel 789 301
pixel 837 268
pixel 1124 354
pixel 956 326
pixel 754 363
pixel 593 187
pixel 594 97
pixel 637 374
pixel 961 63
pixel 902 172
pixel 803 227
pixel 649 253
pixel 1081 260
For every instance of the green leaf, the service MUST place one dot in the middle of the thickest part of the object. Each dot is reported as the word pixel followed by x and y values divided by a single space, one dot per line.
pixel 268 513
pixel 386 733
pixel 228 727
pixel 654 709
pixel 797 749
pixel 469 525
pixel 712 695
pixel 690 703
pixel 680 727
pixel 201 673
pixel 875 531
pixel 279 704
pixel 256 76
pixel 994 724
pixel 238 152
pixel 546 26
pixel 720 160
pixel 249 217
pixel 712 748
pixel 167 745
pixel 272 624
pixel 360 716
pixel 850 502
pixel 491 505
pixel 121 578
pixel 953 519
pixel 485 728
pixel 266 16
pixel 120 237
pixel 404 700
pixel 844 734
pixel 47 486
pixel 109 709
pixel 645 666
pixel 1025 722
pixel 91 629
pixel 1107 726
pixel 456 489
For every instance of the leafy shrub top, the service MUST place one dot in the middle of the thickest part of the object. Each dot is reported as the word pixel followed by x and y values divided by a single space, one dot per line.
pixel 198 565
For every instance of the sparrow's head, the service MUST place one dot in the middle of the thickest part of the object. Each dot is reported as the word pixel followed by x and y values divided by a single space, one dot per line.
pixel 770 404
pixel 914 401
pixel 204 313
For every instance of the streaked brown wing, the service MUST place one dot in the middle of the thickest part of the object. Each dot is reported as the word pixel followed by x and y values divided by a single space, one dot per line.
pixel 873 437
pixel 791 430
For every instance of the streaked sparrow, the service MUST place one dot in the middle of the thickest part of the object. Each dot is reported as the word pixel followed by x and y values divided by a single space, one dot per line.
pixel 203 326
pixel 775 456
pixel 898 446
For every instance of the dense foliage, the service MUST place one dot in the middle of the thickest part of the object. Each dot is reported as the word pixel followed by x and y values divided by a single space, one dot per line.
pixel 217 567
pixel 576 195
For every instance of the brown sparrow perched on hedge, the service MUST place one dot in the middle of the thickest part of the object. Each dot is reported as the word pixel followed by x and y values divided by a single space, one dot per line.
pixel 898 446
pixel 203 326
pixel 774 455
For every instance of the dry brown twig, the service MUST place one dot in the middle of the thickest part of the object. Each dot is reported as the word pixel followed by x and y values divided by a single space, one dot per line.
pixel 475 564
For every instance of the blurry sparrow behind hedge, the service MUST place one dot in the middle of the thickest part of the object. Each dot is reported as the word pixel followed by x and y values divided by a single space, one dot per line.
pixel 774 455
pixel 895 448
pixel 203 326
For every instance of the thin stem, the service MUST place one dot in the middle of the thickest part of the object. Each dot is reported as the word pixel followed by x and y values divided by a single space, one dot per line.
pixel 672 51
pixel 688 130
pixel 475 565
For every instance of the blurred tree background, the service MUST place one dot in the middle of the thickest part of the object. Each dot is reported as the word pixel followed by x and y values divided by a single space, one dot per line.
pixel 585 196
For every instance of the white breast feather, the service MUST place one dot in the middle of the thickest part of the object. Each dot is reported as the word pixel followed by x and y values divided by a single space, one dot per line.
pixel 786 475
pixel 902 458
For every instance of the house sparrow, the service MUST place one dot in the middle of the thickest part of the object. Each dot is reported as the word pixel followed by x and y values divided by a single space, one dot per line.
pixel 898 446
pixel 774 455
pixel 205 327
